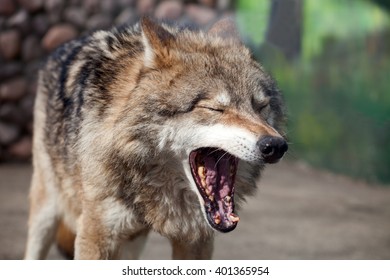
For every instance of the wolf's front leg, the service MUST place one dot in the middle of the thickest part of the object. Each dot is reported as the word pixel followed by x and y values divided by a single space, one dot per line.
pixel 103 226
pixel 133 247
pixel 43 219
pixel 199 250
pixel 94 240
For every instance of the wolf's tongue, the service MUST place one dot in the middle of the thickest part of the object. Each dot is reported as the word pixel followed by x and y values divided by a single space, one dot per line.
pixel 225 181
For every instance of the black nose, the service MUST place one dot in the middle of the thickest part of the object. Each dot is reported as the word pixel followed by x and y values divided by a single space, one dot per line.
pixel 272 148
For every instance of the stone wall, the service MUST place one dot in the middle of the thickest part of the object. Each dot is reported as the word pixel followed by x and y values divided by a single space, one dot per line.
pixel 31 29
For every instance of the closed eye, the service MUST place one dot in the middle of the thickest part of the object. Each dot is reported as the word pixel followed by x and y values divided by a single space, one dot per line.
pixel 211 108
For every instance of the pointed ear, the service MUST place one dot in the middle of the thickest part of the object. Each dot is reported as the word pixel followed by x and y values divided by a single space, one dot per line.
pixel 157 41
pixel 225 28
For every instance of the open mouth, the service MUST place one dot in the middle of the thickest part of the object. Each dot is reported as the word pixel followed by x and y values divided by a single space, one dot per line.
pixel 214 171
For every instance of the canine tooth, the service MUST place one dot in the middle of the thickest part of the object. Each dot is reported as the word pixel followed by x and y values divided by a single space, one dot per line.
pixel 201 171
pixel 234 218
pixel 211 197
pixel 203 182
pixel 217 218
pixel 228 198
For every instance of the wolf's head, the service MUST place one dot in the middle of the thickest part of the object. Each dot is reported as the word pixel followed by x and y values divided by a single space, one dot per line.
pixel 214 108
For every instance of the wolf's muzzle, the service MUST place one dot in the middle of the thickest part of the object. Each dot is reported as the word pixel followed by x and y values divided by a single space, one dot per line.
pixel 272 148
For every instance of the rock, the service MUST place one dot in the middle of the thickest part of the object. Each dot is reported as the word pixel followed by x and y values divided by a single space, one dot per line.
pixel 54 10
pixel 91 6
pixel 21 21
pixel 54 6
pixel 127 16
pixel 31 5
pixel 7 7
pixel 32 68
pixel 3 21
pixel 57 35
pixel 22 149
pixel 26 105
pixel 145 6
pixel 98 21
pixel 171 10
pixel 200 15
pixel 10 44
pixel 10 113
pixel 13 90
pixel 32 85
pixel 8 133
pixel 76 16
pixel 30 127
pixel 40 24
pixel 126 3
pixel 55 18
pixel 224 4
pixel 74 3
pixel 108 7
pixel 208 3
pixel 9 70
pixel 31 48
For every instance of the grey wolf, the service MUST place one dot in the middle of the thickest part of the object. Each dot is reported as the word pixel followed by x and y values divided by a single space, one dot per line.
pixel 150 127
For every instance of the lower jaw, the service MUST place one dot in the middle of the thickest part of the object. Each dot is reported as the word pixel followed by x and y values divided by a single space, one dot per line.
pixel 220 228
pixel 223 224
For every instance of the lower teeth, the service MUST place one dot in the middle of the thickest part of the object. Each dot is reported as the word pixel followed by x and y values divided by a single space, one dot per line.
pixel 234 218
pixel 217 219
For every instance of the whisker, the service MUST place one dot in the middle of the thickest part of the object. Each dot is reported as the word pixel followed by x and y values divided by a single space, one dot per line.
pixel 292 153
pixel 213 151
pixel 219 159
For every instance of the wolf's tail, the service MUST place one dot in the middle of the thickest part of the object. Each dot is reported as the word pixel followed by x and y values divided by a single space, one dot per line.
pixel 65 240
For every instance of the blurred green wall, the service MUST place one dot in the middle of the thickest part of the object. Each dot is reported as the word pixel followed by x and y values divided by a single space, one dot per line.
pixel 338 91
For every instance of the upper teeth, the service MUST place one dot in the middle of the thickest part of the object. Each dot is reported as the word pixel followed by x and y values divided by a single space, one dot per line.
pixel 202 176
pixel 201 172
pixel 217 218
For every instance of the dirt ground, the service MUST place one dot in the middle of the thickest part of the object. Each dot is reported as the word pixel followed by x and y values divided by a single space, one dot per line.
pixel 298 213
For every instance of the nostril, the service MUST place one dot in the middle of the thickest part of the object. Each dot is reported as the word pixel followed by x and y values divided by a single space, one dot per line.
pixel 267 150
